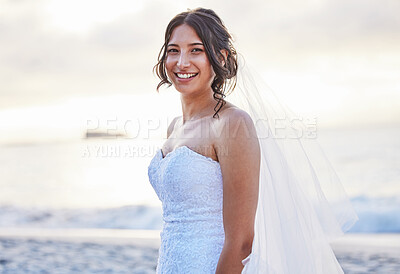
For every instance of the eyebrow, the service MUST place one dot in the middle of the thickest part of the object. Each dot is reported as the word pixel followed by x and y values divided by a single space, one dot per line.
pixel 192 44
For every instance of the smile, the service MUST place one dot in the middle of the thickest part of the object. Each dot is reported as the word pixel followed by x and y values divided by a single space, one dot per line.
pixel 185 75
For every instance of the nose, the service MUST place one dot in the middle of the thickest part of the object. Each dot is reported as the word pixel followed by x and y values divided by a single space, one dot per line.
pixel 183 61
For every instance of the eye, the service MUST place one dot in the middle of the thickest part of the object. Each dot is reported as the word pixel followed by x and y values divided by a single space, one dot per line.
pixel 197 49
pixel 172 50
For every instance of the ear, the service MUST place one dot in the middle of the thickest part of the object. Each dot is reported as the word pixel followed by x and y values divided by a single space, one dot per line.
pixel 224 53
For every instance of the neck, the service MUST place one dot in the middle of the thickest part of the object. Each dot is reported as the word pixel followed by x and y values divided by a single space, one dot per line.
pixel 199 106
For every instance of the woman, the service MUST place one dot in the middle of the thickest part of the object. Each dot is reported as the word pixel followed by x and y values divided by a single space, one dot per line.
pixel 207 174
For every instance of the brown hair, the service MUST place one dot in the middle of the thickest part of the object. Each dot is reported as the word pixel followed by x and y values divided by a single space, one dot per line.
pixel 215 37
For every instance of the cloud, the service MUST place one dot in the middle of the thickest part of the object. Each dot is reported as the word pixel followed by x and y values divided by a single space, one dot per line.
pixel 349 41
pixel 40 63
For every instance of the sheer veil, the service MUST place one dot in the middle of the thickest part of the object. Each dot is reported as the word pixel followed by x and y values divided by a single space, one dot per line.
pixel 302 205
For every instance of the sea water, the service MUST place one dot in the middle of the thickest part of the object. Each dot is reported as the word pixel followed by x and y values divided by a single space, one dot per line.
pixel 102 183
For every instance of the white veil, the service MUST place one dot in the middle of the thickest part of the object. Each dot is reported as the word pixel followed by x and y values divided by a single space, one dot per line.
pixel 302 205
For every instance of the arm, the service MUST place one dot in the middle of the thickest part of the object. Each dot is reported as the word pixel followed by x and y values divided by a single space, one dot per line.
pixel 238 152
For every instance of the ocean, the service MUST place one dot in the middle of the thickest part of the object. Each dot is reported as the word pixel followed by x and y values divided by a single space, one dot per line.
pixel 102 183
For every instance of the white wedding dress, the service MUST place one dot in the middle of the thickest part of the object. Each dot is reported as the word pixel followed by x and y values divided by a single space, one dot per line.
pixel 189 186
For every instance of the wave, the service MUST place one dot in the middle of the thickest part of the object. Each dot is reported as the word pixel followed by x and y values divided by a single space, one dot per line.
pixel 126 217
pixel 376 215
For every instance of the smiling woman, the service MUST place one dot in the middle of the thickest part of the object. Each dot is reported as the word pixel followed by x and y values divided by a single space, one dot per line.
pixel 202 159
pixel 220 166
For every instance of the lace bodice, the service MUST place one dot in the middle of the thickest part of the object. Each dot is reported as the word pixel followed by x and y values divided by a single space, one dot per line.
pixel 189 186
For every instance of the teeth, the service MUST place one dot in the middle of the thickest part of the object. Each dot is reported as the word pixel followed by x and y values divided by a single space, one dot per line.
pixel 186 75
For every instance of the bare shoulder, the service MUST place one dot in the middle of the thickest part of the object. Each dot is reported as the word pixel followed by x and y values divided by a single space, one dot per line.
pixel 235 115
pixel 236 120
pixel 236 133
pixel 172 126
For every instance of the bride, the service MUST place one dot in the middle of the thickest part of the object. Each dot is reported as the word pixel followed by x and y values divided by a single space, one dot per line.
pixel 231 200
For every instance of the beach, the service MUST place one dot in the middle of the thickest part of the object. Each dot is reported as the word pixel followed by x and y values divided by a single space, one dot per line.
pixel 78 251
pixel 135 251
pixel 368 253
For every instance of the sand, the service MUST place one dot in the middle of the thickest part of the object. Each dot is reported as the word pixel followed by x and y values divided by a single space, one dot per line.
pixel 136 251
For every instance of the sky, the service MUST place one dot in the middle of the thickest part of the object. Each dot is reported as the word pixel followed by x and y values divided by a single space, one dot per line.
pixel 64 61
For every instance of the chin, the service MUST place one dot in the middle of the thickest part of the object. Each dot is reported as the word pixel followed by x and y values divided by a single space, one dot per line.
pixel 185 90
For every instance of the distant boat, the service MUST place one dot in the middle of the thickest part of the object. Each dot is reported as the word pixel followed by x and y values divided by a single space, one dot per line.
pixel 103 134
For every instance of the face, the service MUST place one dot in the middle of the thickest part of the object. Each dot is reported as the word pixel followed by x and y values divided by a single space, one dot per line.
pixel 187 64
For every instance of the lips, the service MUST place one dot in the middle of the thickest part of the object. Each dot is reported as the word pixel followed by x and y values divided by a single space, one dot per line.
pixel 184 76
